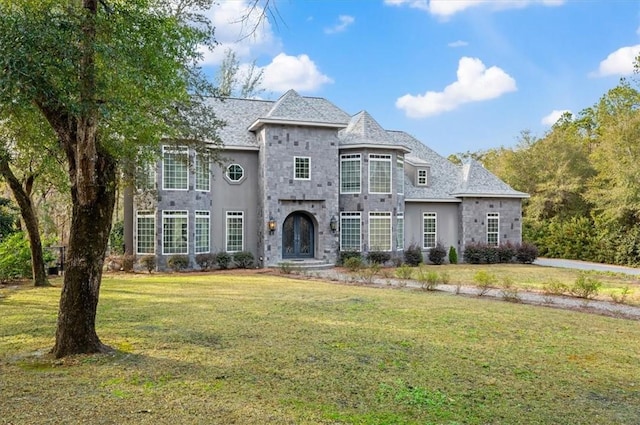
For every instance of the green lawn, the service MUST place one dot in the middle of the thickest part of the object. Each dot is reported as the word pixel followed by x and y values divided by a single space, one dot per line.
pixel 259 349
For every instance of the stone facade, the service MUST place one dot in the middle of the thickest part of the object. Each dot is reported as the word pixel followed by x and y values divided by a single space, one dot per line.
pixel 289 155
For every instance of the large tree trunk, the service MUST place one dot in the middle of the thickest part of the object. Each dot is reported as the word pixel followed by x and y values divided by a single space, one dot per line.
pixel 91 224
pixel 30 219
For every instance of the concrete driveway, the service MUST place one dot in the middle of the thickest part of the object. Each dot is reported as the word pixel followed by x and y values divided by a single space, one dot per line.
pixel 585 265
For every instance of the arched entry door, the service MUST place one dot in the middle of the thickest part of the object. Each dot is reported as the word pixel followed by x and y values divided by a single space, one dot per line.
pixel 297 236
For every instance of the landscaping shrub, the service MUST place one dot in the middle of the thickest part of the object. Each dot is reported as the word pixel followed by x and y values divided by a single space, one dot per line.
pixel 206 261
pixel 243 259
pixel 404 271
pixel 378 257
pixel 223 260
pixel 413 255
pixel 453 255
pixel 474 253
pixel 586 286
pixel 526 253
pixel 148 262
pixel 555 287
pixel 428 279
pixel 286 267
pixel 345 255
pixel 485 281
pixel 178 263
pixel 353 264
pixel 510 291
pixel 437 254
pixel 15 257
pixel 397 261
pixel 506 252
pixel 445 278
pixel 367 274
pixel 127 261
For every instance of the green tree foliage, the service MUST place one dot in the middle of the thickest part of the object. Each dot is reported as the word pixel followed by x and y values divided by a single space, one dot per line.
pixel 111 79
pixel 583 177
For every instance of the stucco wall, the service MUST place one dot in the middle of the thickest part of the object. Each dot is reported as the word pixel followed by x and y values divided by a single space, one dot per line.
pixel 447 231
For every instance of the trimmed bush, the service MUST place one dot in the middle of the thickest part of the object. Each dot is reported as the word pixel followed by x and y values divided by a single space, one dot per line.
pixel 378 257
pixel 148 262
pixel 178 263
pixel 345 255
pixel 413 255
pixel 404 271
pixel 128 261
pixel 353 264
pixel 485 281
pixel 206 261
pixel 223 260
pixel 526 253
pixel 506 252
pixel 437 254
pixel 586 286
pixel 453 255
pixel 243 259
pixel 474 253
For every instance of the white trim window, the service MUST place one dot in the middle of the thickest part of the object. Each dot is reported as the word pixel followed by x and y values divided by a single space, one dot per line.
pixel 234 231
pixel 301 168
pixel 175 168
pixel 234 173
pixel 202 232
pixel 175 234
pixel 400 172
pixel 350 231
pixel 379 231
pixel 493 229
pixel 350 173
pixel 146 177
pixel 145 232
pixel 429 229
pixel 379 173
pixel 203 173
pixel 400 232
pixel 422 177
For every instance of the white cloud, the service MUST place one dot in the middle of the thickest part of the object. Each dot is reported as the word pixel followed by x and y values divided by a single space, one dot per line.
pixel 458 43
pixel 293 72
pixel 475 83
pixel 247 38
pixel 619 62
pixel 554 116
pixel 343 22
pixel 447 8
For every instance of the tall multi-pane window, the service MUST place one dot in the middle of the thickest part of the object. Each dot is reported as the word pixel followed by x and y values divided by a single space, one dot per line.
pixel 423 176
pixel 235 231
pixel 145 232
pixel 400 172
pixel 379 231
pixel 493 229
pixel 203 176
pixel 379 173
pixel 350 231
pixel 203 233
pixel 302 168
pixel 175 168
pixel 175 235
pixel 350 172
pixel 429 226
pixel 400 232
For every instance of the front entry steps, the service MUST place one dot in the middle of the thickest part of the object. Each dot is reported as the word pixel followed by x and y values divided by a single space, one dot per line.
pixel 304 264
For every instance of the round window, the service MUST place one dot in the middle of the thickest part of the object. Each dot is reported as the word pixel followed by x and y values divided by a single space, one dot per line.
pixel 235 172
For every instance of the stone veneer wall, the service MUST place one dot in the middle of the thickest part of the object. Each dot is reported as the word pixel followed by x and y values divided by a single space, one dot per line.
pixel 283 195
pixel 473 217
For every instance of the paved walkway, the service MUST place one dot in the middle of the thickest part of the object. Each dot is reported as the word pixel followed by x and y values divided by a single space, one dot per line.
pixel 585 265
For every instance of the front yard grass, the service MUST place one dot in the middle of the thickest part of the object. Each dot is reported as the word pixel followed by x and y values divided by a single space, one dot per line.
pixel 230 348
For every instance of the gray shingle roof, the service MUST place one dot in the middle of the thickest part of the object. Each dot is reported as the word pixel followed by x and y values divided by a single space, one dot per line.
pixel 238 115
pixel 363 129
pixel 475 180
pixel 293 107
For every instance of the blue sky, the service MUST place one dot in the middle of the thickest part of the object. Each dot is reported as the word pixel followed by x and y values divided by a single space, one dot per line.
pixel 460 75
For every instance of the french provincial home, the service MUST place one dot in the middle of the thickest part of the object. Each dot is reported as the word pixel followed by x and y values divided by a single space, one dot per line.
pixel 302 180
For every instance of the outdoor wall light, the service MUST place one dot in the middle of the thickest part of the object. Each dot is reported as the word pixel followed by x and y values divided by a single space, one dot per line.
pixel 333 223
pixel 271 225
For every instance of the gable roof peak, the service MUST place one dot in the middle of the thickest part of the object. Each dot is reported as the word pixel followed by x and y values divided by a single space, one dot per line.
pixel 363 126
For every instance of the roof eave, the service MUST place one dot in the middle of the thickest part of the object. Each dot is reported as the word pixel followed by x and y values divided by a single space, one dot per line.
pixel 442 200
pixel 262 121
pixel 519 195
pixel 375 146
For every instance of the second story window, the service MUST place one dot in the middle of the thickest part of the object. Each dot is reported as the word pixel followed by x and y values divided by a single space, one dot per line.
pixel 302 168
pixel 175 168
pixel 235 172
pixel 350 170
pixel 379 173
pixel 203 175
